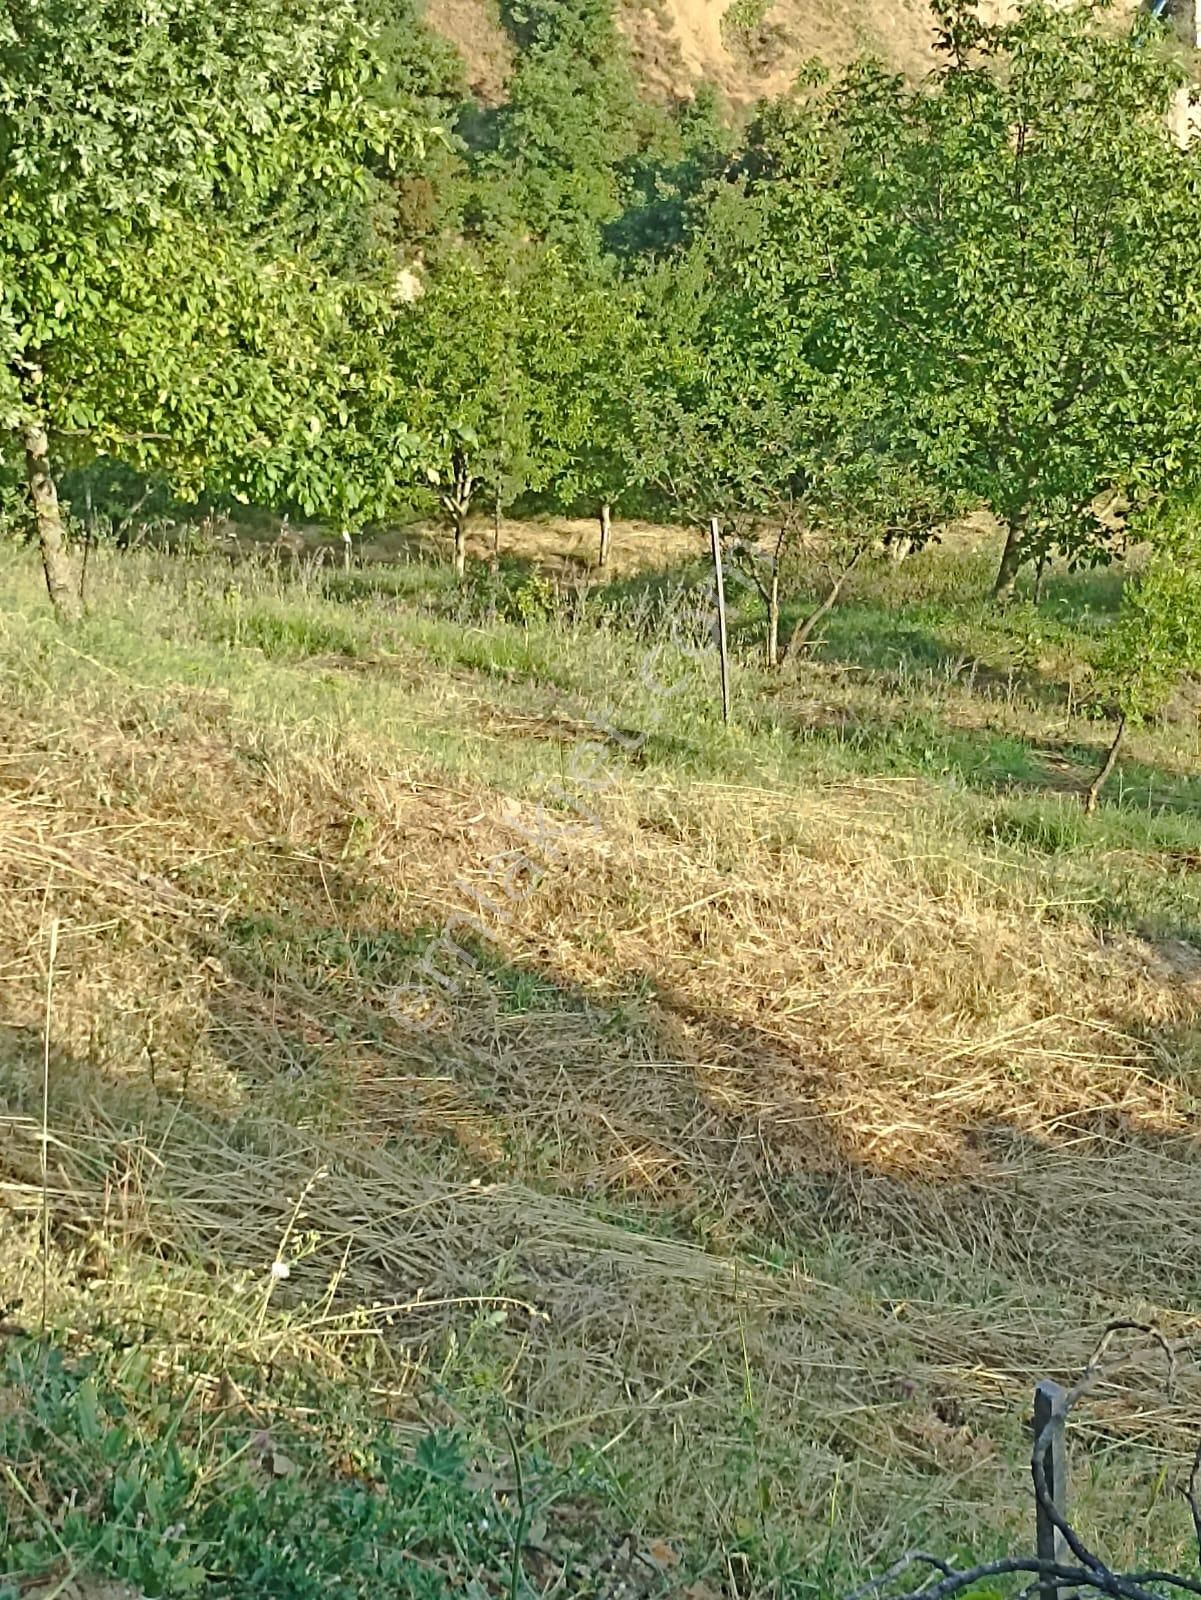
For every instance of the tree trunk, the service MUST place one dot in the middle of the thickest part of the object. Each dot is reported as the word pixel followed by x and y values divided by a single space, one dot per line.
pixel 606 534
pixel 89 539
pixel 773 619
pixel 898 549
pixel 1040 573
pixel 805 631
pixel 1093 792
pixel 457 500
pixel 1011 560
pixel 52 536
pixel 495 561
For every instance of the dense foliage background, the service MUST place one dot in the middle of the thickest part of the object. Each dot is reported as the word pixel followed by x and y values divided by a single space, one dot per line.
pixel 284 256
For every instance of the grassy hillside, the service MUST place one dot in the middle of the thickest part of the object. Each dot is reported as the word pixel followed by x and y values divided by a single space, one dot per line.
pixel 492 1103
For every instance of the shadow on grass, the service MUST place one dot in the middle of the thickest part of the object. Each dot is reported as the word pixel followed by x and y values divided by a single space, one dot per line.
pixel 670 1114
pixel 879 643
pixel 1096 590
pixel 890 736
pixel 894 653
pixel 431 583
pixel 930 1201
pixel 652 602
pixel 887 626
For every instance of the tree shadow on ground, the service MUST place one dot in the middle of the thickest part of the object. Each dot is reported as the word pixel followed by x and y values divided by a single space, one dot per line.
pixel 656 1108
pixel 640 1098
pixel 1091 589
pixel 650 598
pixel 956 741
pixel 924 1199
pixel 430 584
pixel 896 657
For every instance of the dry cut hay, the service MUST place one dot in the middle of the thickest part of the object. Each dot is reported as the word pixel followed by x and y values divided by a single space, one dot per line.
pixel 699 1104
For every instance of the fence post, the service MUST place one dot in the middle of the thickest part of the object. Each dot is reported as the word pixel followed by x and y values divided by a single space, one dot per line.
pixel 723 646
pixel 1049 1399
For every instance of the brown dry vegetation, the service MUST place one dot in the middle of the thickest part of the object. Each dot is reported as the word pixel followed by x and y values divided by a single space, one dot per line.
pixel 474 28
pixel 793 1128
pixel 677 44
pixel 564 547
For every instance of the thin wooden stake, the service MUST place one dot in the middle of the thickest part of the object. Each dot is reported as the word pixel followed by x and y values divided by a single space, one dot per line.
pixel 46 1122
pixel 1049 1410
pixel 722 642
pixel 89 539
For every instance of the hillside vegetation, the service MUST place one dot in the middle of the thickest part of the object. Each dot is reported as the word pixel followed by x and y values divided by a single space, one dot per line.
pixel 745 52
pixel 487 1111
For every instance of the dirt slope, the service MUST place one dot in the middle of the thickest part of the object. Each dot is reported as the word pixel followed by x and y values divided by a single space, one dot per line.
pixel 680 43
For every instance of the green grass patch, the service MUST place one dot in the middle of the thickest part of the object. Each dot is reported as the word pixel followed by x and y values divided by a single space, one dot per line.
pixel 286 637
pixel 114 1469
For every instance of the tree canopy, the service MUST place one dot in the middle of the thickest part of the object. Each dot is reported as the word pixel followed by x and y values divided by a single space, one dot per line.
pixel 184 208
pixel 279 252
pixel 1021 270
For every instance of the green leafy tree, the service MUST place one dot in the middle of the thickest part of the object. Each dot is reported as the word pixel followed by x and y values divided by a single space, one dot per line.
pixel 181 192
pixel 763 412
pixel 1028 277
pixel 666 181
pixel 549 161
pixel 1157 638
pixel 588 373
pixel 423 76
pixel 479 360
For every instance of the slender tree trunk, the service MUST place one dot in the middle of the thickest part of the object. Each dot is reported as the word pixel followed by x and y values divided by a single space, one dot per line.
pixel 898 549
pixel 457 500
pixel 1040 573
pixel 773 619
pixel 805 631
pixel 1093 792
pixel 89 539
pixel 61 581
pixel 606 534
pixel 495 561
pixel 1011 559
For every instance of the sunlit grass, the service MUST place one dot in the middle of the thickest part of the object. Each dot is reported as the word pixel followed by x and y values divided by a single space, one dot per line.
pixel 717 1083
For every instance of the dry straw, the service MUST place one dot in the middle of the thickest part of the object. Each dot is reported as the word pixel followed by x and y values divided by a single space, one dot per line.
pixel 752 1105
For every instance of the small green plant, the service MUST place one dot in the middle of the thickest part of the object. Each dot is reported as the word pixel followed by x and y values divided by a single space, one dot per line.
pixel 534 601
pixel 743 18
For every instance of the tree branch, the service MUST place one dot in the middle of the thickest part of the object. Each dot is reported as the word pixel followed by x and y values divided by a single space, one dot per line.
pixel 1091 1576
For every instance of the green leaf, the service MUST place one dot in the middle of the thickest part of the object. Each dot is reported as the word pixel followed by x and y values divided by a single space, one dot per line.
pixel 440 1454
